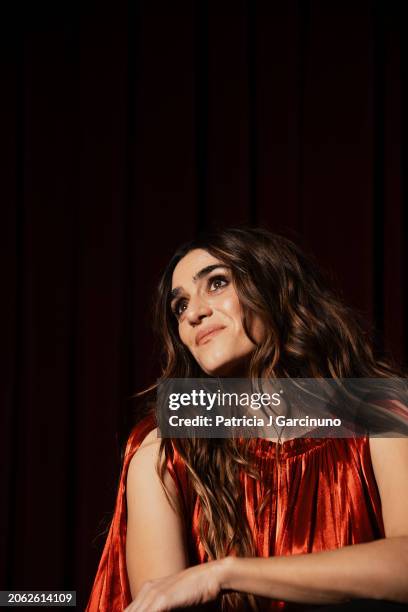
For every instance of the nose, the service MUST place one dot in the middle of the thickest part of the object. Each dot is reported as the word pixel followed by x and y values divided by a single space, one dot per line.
pixel 197 310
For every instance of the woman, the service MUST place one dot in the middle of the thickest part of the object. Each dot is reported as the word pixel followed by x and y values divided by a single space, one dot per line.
pixel 256 524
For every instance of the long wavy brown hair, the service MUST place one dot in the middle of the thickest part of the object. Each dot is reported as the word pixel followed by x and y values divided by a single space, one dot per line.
pixel 310 333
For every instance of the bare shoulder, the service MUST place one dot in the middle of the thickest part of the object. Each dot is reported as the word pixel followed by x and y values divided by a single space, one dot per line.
pixel 151 439
pixel 389 458
pixel 388 449
pixel 142 472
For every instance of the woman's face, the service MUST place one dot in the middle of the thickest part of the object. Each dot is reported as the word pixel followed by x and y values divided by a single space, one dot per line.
pixel 209 314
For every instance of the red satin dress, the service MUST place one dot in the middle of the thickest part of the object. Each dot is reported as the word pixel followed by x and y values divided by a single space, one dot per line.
pixel 324 497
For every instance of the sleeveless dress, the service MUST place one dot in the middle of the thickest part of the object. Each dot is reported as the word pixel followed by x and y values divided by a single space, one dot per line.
pixel 324 496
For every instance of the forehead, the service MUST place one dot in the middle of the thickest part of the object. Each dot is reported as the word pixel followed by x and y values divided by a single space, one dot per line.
pixel 189 265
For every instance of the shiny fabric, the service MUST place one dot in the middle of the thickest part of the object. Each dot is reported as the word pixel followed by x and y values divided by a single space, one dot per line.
pixel 324 496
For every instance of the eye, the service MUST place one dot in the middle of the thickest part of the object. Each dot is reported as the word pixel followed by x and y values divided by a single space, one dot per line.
pixel 217 282
pixel 179 307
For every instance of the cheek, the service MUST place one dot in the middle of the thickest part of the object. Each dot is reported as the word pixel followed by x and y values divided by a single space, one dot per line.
pixel 230 306
pixel 182 334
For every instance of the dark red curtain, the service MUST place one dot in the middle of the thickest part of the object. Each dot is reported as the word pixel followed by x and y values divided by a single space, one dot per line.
pixel 127 128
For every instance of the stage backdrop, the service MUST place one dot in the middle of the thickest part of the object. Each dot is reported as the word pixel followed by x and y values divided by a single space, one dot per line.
pixel 127 128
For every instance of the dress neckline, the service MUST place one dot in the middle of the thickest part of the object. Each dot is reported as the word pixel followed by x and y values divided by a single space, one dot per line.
pixel 287 448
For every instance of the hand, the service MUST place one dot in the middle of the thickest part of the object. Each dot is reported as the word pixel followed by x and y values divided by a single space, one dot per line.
pixel 193 586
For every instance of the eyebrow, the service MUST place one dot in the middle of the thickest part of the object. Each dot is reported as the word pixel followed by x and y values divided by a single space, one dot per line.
pixel 200 274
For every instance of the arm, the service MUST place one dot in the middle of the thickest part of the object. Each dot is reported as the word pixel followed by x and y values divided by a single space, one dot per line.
pixel 154 538
pixel 376 570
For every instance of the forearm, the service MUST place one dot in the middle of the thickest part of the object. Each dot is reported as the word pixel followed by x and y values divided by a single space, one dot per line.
pixel 374 570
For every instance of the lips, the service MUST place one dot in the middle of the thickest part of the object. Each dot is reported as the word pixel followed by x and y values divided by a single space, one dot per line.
pixel 203 334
